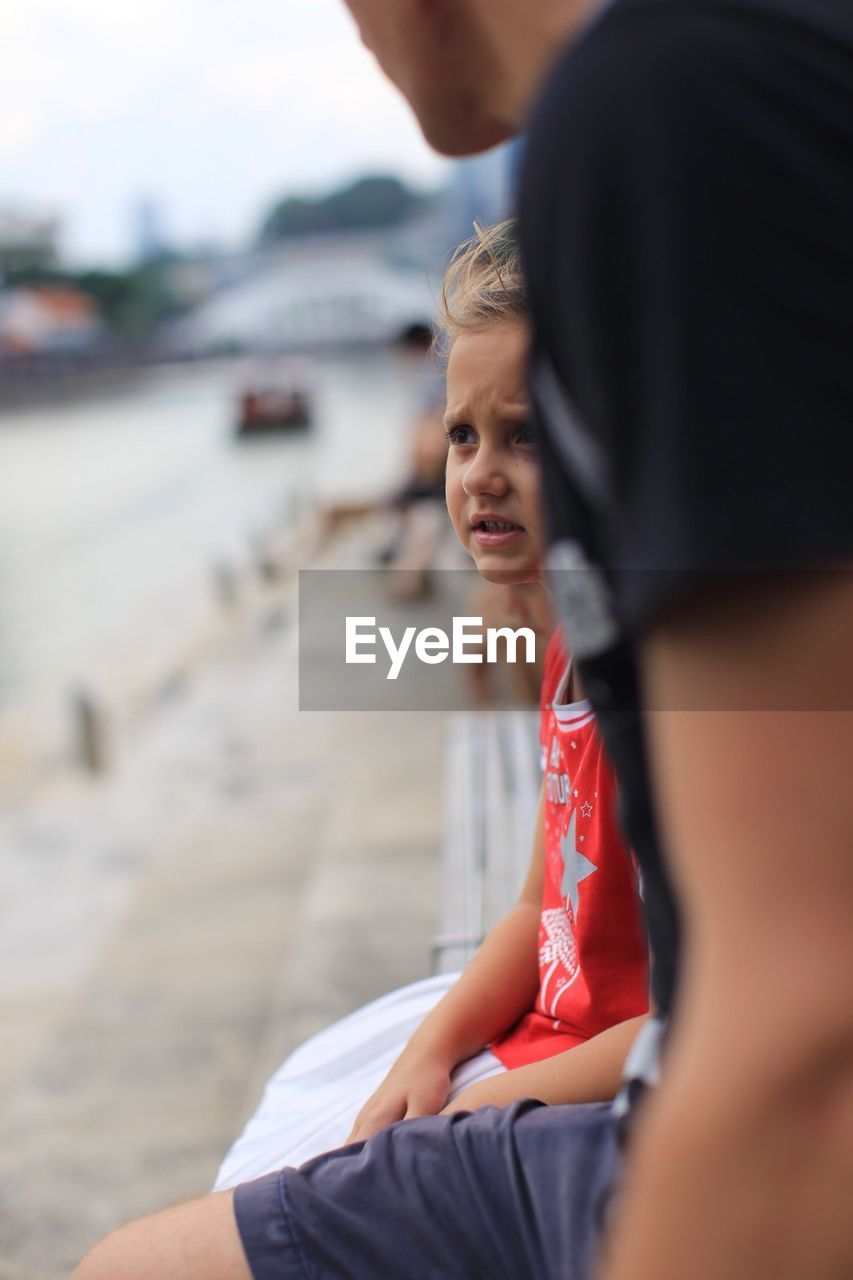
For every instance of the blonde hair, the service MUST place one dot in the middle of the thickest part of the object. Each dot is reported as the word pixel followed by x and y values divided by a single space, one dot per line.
pixel 483 285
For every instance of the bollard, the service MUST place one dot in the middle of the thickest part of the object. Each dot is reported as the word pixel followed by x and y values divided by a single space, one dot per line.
pixel 90 738
pixel 266 562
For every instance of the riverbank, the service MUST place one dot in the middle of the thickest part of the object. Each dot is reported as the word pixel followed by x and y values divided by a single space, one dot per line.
pixel 246 873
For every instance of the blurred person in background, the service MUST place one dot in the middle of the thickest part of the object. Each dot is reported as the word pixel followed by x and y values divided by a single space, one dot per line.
pixel 685 209
pixel 419 503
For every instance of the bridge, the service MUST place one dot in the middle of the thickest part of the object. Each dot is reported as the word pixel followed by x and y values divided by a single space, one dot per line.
pixel 318 292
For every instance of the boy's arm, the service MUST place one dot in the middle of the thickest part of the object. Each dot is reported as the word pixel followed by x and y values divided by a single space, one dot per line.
pixel 748 1146
pixel 498 986
pixel 590 1072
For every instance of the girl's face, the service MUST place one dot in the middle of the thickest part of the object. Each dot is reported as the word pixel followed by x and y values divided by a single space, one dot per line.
pixel 492 469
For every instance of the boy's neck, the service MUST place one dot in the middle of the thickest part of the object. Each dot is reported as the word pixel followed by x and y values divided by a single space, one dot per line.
pixel 525 43
pixel 575 691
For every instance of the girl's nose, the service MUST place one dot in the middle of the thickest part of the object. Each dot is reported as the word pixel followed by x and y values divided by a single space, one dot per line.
pixel 485 475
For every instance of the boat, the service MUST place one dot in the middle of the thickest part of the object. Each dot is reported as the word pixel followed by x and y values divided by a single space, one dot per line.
pixel 273 399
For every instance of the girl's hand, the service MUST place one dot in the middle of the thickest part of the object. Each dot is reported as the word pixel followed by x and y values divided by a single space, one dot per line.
pixel 417 1085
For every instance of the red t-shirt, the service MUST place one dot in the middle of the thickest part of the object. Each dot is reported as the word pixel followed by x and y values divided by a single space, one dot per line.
pixel 593 954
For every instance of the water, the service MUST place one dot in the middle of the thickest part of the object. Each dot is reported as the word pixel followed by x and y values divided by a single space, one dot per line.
pixel 111 507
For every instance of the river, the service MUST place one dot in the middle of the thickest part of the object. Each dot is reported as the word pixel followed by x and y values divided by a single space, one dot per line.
pixel 111 506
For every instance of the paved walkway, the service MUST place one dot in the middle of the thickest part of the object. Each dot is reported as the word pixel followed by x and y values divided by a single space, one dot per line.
pixel 245 875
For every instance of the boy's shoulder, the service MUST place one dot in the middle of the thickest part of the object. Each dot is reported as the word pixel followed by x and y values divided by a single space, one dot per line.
pixel 649 60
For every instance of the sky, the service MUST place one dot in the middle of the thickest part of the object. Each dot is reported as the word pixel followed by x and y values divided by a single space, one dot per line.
pixel 209 108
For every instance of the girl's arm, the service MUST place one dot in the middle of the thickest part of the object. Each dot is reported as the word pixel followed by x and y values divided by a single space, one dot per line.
pixel 498 986
pixel 590 1072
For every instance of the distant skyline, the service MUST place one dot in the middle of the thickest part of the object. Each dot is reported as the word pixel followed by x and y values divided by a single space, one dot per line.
pixel 208 110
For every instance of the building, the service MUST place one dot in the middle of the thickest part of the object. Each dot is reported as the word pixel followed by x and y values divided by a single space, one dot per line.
pixel 28 242
pixel 481 190
pixel 47 320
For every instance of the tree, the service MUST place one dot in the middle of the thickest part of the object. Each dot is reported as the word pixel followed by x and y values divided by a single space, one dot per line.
pixel 368 202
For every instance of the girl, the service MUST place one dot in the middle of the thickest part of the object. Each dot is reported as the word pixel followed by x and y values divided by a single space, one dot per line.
pixel 549 1005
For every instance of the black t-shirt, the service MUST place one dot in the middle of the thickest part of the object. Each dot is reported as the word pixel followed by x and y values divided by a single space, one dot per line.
pixel 687 229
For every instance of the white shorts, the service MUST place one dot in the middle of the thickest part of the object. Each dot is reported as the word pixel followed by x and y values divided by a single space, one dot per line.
pixel 310 1104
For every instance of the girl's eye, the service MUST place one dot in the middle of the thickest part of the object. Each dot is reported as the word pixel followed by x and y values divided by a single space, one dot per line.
pixel 460 434
pixel 525 435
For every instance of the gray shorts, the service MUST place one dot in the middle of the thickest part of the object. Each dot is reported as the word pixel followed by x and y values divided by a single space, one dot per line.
pixel 513 1193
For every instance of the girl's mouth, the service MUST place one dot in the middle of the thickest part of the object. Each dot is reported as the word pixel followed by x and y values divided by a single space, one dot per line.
pixel 495 533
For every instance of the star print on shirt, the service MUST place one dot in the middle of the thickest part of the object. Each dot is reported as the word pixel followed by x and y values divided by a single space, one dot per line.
pixel 575 866
pixel 586 809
